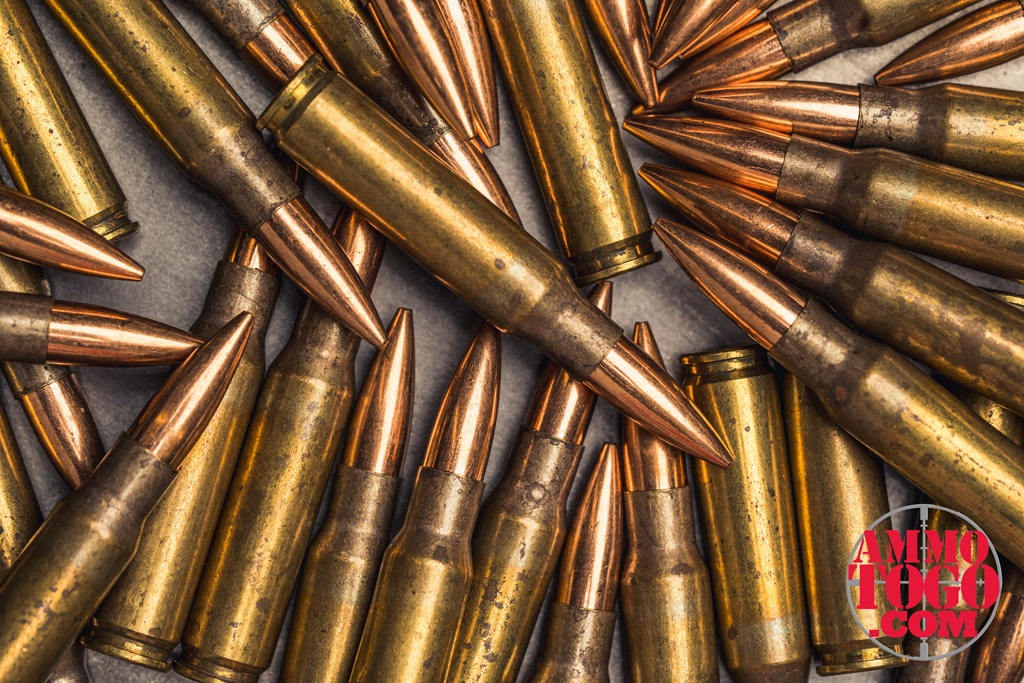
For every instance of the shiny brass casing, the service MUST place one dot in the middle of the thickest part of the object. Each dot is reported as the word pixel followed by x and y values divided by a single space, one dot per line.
pixel 423 583
pixel 576 646
pixel 749 517
pixel 584 171
pixel 840 492
pixel 143 617
pixel 45 141
pixel 925 206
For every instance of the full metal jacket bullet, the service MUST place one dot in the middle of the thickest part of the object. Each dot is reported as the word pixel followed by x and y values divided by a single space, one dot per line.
pixel 665 586
pixel 871 391
pixel 45 141
pixel 185 103
pixel 522 526
pixel 749 516
pixel 277 486
pixel 468 35
pixel 684 27
pixel 87 540
pixel 917 308
pixel 795 36
pixel 738 15
pixel 840 492
pixel 979 125
pixel 36 232
pixel 477 251
pixel 986 37
pixel 143 617
pixel 581 619
pixel 600 220
pixel 426 571
pixel 924 206
pixel 341 565
pixel 36 329
pixel 622 27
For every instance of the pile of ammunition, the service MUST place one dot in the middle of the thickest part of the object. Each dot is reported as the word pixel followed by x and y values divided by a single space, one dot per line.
pixel 184 545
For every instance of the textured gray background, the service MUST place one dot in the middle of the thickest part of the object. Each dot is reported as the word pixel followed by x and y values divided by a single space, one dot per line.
pixel 185 230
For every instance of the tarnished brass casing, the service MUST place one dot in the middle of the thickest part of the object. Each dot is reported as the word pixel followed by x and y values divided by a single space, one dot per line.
pixel 423 583
pixel 748 513
pixel 45 140
pixel 840 492
pixel 143 617
pixel 584 171
pixel 576 645
pixel 516 546
pixel 999 655
pixel 74 559
pixel 925 206
pixel 437 218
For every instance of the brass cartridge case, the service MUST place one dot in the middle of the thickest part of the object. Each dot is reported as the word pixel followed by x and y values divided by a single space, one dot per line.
pixel 576 645
pixel 999 655
pixel 925 206
pixel 840 492
pixel 748 512
pixel 275 493
pixel 45 141
pixel 423 583
pixel 143 617
pixel 600 219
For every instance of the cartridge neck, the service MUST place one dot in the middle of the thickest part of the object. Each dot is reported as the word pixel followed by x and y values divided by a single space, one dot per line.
pixel 361 510
pixel 661 522
pixel 233 290
pixel 818 256
pixel 817 347
pixel 131 475
pixel 898 114
pixel 814 174
pixel 724 365
pixel 443 504
pixel 320 346
pixel 809 31
pixel 540 470
pixel 577 645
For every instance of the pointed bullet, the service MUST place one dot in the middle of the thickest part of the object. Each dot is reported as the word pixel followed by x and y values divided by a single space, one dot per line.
pixel 473 166
pixel 984 38
pixel 823 111
pixel 665 9
pixel 735 18
pixel 684 27
pixel 622 27
pixel 419 38
pixel 33 231
pixel 741 154
pixel 460 441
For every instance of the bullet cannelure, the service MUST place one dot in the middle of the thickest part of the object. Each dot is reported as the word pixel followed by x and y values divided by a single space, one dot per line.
pixel 665 587
pixel 277 485
pixel 600 220
pixel 63 573
pixel 795 36
pixel 748 511
pixel 45 140
pixel 979 133
pixel 185 103
pixel 341 565
pixel 920 205
pixel 521 527
pixel 143 617
pixel 465 241
pixel 944 322
pixel 469 40
pixel 683 28
pixel 986 37
pixel 581 619
pixel 622 27
pixel 426 570
pixel 871 391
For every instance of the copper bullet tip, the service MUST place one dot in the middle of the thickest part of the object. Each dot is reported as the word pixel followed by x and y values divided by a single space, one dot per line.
pixel 740 14
pixel 36 232
pixel 81 334
pixel 588 576
pixel 735 152
pixel 379 429
pixel 472 48
pixel 174 419
pixel 638 387
pixel 758 302
pixel 981 39
pixel 460 441
pixel 684 27
pixel 823 111
pixel 623 28
pixel 362 243
pixel 757 225
pixel 301 245
pixel 562 406
pixel 246 251
pixel 648 462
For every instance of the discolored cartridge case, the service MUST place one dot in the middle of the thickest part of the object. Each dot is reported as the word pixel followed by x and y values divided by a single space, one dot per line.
pixel 276 490
pixel 665 588
pixel 840 492
pixel 45 141
pixel 599 217
pixel 999 655
pixel 748 512
pixel 143 617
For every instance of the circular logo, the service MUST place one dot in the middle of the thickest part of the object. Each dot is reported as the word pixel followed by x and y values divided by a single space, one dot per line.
pixel 924 582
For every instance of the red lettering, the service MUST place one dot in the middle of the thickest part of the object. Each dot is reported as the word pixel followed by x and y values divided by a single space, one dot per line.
pixel 938 595
pixel 888 623
pixel 954 625
pixel 923 624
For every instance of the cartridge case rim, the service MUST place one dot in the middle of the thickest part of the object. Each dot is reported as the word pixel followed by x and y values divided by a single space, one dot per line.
pixel 303 87
pixel 854 661
pixel 1008 297
pixel 113 226
pixel 107 641
pixel 631 254
pixel 691 361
